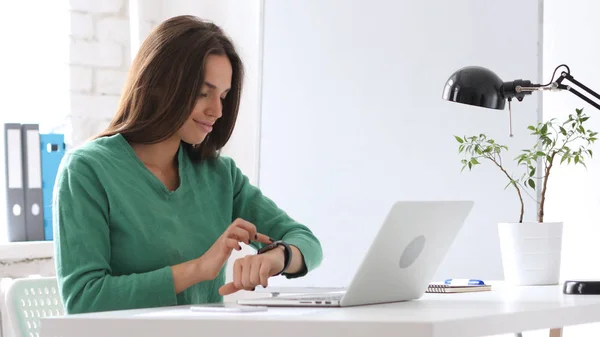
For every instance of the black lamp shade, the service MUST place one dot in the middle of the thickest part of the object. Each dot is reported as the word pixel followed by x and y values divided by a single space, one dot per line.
pixel 477 86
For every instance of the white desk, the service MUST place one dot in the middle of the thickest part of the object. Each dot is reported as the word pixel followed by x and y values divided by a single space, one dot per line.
pixel 501 311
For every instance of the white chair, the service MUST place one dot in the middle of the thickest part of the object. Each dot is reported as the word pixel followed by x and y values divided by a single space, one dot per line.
pixel 28 300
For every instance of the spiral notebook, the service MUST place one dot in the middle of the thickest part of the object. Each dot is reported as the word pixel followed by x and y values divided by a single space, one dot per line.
pixel 447 288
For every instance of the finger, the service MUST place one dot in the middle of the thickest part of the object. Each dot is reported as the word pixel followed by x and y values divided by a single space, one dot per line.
pixel 255 271
pixel 247 226
pixel 239 234
pixel 246 282
pixel 237 274
pixel 228 289
pixel 264 274
pixel 233 244
pixel 263 238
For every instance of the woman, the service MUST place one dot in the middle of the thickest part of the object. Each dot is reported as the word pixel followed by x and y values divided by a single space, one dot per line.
pixel 147 213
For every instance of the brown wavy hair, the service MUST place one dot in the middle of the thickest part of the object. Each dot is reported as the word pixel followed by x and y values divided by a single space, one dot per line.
pixel 163 84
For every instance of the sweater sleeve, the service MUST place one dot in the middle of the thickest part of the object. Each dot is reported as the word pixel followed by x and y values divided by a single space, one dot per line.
pixel 83 249
pixel 250 204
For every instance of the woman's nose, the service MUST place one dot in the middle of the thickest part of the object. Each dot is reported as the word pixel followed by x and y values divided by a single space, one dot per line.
pixel 216 107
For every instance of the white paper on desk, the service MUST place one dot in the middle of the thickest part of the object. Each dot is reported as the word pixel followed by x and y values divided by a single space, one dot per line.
pixel 187 313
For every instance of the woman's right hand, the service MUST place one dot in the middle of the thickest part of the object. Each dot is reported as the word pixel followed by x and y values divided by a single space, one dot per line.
pixel 239 231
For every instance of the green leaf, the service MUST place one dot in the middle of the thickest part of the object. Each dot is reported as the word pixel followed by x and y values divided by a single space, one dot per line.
pixel 532 171
pixel 458 139
pixel 531 183
pixel 531 127
pixel 547 141
pixel 590 152
pixel 474 161
pixel 576 159
pixel 563 131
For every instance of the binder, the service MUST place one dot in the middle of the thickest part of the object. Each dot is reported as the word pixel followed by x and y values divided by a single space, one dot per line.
pixel 32 182
pixel 15 193
pixel 53 149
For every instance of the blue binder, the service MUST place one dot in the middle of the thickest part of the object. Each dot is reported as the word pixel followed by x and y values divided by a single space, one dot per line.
pixel 52 152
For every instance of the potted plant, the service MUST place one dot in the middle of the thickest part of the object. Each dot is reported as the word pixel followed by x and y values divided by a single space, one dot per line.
pixel 531 251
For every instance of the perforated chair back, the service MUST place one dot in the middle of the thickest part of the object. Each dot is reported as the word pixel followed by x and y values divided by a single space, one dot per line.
pixel 28 300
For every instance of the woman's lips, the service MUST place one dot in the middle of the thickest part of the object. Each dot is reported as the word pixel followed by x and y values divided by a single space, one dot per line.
pixel 206 126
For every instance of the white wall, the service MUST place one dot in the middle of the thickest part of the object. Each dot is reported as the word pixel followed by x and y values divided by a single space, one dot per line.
pixel 34 88
pixel 34 76
pixel 353 120
pixel 144 15
pixel 33 62
pixel 99 57
pixel 571 34
pixel 572 195
pixel 66 67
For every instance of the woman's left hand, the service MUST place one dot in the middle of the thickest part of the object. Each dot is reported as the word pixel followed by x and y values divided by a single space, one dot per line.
pixel 253 270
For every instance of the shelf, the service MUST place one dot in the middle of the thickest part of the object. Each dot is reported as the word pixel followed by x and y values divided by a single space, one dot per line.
pixel 26 250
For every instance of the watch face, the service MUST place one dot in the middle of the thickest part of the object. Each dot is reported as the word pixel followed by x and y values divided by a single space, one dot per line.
pixel 267 247
pixel 271 246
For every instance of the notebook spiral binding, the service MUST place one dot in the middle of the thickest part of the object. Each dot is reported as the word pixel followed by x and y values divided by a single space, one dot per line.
pixel 437 288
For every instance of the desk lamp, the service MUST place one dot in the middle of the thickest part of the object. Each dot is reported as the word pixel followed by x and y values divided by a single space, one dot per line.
pixel 479 86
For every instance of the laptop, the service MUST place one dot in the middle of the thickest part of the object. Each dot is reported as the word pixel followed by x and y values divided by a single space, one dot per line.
pixel 401 261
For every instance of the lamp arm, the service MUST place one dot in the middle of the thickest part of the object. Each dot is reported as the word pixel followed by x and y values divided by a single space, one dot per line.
pixel 565 75
pixel 521 88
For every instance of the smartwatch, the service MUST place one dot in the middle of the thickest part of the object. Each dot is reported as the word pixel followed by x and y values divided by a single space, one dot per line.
pixel 287 253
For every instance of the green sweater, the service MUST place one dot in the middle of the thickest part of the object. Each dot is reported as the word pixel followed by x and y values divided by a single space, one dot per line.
pixel 118 229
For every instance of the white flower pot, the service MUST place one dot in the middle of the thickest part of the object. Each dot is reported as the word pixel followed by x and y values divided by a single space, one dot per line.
pixel 531 252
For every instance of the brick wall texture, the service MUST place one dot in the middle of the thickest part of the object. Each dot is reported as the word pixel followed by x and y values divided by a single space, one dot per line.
pixel 99 56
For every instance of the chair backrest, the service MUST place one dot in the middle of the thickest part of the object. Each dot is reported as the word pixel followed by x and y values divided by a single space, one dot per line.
pixel 28 300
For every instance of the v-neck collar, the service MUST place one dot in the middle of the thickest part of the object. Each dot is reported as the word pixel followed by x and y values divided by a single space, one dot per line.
pixel 182 162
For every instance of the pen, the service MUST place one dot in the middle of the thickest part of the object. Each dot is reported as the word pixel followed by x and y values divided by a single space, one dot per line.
pixel 463 282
